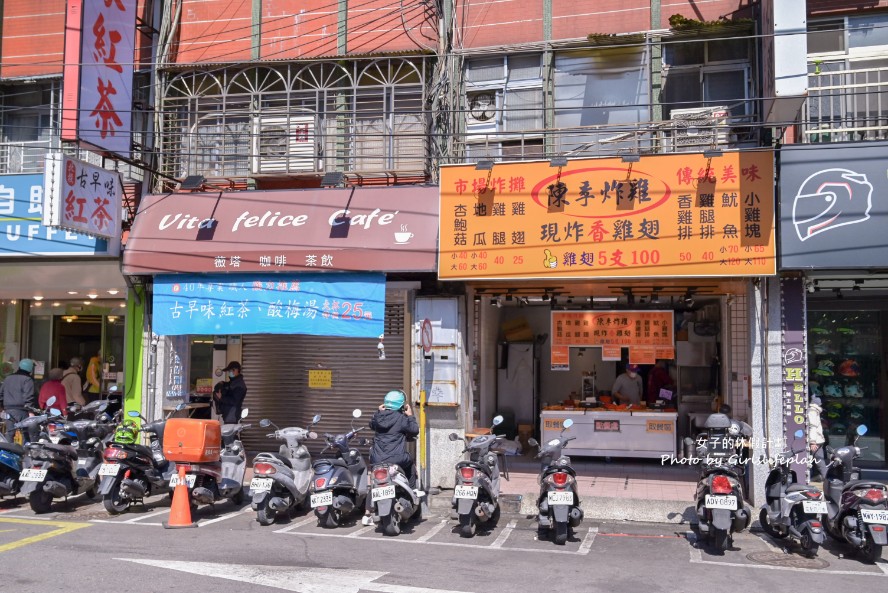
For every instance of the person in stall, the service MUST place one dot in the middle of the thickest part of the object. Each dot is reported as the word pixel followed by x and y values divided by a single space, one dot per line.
pixel 659 378
pixel 628 388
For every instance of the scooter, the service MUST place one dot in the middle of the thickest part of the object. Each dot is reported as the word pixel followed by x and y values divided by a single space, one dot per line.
pixel 339 483
pixel 857 510
pixel 11 457
pixel 69 467
pixel 393 500
pixel 476 491
pixel 132 471
pixel 721 506
pixel 280 480
pixel 209 483
pixel 792 509
pixel 559 501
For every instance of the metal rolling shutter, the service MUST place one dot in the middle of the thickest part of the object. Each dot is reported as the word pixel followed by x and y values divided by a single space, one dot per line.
pixel 276 368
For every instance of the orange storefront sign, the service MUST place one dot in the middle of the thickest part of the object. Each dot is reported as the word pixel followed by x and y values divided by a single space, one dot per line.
pixel 667 215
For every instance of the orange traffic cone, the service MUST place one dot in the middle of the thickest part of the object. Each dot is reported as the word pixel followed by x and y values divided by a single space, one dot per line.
pixel 180 510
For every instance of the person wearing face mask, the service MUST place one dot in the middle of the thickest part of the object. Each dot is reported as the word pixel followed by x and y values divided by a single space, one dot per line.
pixel 230 395
pixel 628 387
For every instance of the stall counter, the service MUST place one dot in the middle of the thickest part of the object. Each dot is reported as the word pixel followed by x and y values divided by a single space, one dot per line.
pixel 614 434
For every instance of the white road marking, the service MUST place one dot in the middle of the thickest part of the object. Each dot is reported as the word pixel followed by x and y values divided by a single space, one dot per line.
pixel 883 566
pixel 43 518
pixel 504 535
pixel 361 531
pixel 110 522
pixel 302 580
pixel 432 532
pixel 697 558
pixel 139 518
pixel 304 522
pixel 587 541
pixel 225 516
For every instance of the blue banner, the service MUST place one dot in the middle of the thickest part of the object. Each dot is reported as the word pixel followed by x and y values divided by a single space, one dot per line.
pixel 21 228
pixel 331 304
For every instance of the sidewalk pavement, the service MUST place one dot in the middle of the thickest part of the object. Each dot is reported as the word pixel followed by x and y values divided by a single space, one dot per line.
pixel 622 490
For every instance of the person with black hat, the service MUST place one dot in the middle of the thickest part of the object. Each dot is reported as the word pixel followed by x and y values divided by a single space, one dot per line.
pixel 230 395
pixel 816 440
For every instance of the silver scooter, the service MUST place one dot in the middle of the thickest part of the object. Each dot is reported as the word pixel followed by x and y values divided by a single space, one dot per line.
pixel 792 509
pixel 209 483
pixel 281 480
pixel 393 500
pixel 476 491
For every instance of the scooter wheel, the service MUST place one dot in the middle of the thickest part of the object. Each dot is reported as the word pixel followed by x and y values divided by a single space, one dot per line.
pixel 808 546
pixel 238 498
pixel 768 527
pixel 390 525
pixel 40 501
pixel 265 516
pixel 329 520
pixel 720 540
pixel 870 552
pixel 467 525
pixel 494 518
pixel 113 501
pixel 561 530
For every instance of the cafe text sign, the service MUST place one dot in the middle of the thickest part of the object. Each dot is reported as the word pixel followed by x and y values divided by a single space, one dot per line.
pixel 667 215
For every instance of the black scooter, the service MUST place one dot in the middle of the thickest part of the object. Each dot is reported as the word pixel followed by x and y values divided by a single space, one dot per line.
pixel 857 509
pixel 559 501
pixel 477 486
pixel 339 482
pixel 720 502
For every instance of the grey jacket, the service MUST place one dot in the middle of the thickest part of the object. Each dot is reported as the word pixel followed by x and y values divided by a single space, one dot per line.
pixel 17 391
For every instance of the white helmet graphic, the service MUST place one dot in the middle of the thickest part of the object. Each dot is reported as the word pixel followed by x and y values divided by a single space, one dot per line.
pixel 829 199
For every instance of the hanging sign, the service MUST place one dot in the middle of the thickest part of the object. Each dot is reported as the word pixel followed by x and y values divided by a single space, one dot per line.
pixel 795 374
pixel 347 305
pixel 645 333
pixel 665 216
pixel 81 197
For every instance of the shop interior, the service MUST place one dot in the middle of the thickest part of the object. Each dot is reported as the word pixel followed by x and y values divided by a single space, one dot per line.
pixel 515 376
pixel 847 350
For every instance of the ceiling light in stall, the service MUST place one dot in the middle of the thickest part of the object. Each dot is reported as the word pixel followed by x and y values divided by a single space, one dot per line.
pixel 121 304
pixel 37 297
pixel 37 304
pixel 92 295
pixel 113 291
pixel 56 304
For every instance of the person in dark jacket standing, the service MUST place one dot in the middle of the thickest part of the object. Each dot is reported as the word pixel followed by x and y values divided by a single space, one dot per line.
pixel 394 423
pixel 17 394
pixel 230 396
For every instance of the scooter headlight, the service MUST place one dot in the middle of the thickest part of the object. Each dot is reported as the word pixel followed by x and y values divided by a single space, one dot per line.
pixel 491 459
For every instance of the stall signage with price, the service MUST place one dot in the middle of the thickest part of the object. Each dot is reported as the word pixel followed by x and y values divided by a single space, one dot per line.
pixel 647 334
pixel 665 216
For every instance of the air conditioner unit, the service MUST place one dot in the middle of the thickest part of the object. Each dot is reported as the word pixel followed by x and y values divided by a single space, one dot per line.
pixel 699 128
pixel 285 145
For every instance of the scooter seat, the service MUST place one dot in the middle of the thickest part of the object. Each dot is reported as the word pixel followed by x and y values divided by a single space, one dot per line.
pixel 554 469
pixel 798 488
pixel 229 429
pixel 855 484
pixel 68 450
pixel 12 448
pixel 280 458
pixel 336 462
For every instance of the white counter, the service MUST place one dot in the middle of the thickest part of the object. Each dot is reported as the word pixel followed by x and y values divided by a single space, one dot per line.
pixel 614 434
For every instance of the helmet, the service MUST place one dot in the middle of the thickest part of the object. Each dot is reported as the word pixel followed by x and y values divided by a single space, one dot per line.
pixel 825 368
pixel 815 388
pixel 829 199
pixel 27 365
pixel 394 400
pixel 127 433
pixel 849 368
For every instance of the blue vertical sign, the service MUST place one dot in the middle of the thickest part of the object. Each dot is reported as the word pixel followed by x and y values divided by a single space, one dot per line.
pixel 22 232
pixel 320 304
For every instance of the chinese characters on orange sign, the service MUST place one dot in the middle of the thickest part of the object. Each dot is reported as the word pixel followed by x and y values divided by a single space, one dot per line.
pixel 106 77
pixel 669 215
pixel 645 333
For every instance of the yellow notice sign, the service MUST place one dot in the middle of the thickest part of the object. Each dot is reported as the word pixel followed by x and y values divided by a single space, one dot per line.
pixel 320 379
pixel 661 426
pixel 670 216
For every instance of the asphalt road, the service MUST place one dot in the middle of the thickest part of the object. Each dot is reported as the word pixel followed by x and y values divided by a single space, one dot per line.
pixel 78 547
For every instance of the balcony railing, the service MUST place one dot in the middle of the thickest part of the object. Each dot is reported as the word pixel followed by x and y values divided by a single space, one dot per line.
pixel 23 157
pixel 847 105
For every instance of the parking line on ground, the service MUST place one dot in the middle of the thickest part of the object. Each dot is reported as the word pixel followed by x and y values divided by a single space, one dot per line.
pixel 112 522
pixel 504 535
pixel 140 517
pixel 432 532
pixel 586 544
pixel 302 523
pixel 361 531
pixel 61 528
pixel 225 516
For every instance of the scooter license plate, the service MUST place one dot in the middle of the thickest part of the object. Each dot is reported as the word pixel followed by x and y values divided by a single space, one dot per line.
pixel 721 502
pixel 555 497
pixel 383 493
pixel 32 475
pixel 324 499
pixel 190 479
pixel 469 492
pixel 260 484
pixel 814 507
pixel 109 469
pixel 869 516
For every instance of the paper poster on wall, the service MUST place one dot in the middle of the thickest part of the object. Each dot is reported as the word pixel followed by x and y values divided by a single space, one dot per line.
pixel 642 355
pixel 320 379
pixel 560 358
pixel 611 353
pixel 665 352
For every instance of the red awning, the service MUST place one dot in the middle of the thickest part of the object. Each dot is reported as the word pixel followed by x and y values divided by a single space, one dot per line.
pixel 389 229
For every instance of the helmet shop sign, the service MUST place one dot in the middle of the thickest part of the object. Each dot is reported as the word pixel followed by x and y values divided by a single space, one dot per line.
pixel 833 205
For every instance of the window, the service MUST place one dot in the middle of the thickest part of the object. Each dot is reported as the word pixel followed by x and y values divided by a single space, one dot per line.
pixel 504 94
pixel 27 126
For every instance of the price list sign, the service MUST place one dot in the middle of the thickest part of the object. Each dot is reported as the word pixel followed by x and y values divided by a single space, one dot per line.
pixel 678 215
pixel 646 333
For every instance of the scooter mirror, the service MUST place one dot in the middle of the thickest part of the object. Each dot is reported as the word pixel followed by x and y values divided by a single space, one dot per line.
pixel 316 419
pixel 132 414
pixel 799 433
pixel 312 435
pixel 181 407
pixel 356 413
pixel 265 423
pixel 452 436
pixel 497 420
pixel 55 412
pixel 533 442
pixel 50 401
pixel 567 423
pixel 245 412
pixel 861 430
pixel 4 415
pixel 113 388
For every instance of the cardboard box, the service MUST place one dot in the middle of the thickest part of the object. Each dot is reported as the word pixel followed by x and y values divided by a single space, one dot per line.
pixel 192 440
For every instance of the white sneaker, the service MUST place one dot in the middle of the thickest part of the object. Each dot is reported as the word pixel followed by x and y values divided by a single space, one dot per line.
pixel 419 493
pixel 366 520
